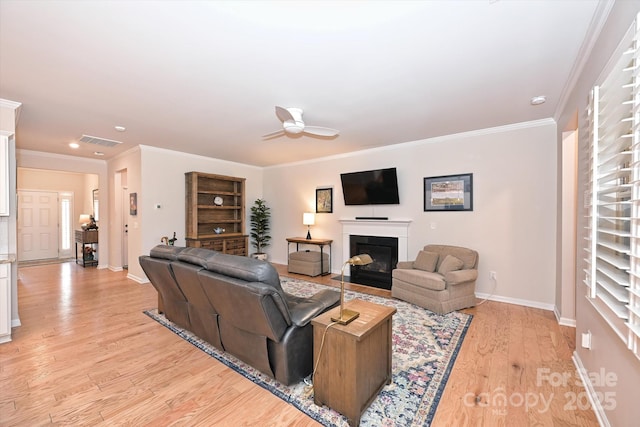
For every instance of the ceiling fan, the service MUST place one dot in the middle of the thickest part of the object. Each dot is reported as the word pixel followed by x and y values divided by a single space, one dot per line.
pixel 292 124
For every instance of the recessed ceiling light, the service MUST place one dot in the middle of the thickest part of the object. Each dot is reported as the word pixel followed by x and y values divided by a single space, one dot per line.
pixel 98 153
pixel 120 128
pixel 537 100
pixel 74 145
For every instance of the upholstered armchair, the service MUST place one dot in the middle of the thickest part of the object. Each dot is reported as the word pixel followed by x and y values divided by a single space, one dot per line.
pixel 441 279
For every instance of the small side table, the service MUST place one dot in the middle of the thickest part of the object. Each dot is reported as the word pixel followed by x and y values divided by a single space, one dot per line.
pixel 355 363
pixel 86 239
pixel 318 242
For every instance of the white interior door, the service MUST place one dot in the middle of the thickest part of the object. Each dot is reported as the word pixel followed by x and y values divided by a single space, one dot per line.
pixel 37 225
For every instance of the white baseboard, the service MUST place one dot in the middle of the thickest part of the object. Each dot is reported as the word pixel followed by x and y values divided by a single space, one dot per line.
pixel 516 301
pixel 591 392
pixel 564 321
pixel 137 279
pixel 112 268
pixel 15 323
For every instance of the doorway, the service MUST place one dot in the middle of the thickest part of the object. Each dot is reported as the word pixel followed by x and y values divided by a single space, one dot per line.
pixel 122 215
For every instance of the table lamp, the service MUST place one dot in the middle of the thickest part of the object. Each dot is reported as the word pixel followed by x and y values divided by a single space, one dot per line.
pixel 84 220
pixel 308 219
pixel 347 316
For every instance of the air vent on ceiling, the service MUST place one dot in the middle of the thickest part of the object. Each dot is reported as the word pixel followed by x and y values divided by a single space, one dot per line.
pixel 99 141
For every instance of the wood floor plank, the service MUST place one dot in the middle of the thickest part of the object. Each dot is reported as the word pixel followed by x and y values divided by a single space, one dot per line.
pixel 87 355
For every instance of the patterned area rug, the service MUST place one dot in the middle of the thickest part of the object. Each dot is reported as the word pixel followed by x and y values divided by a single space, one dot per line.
pixel 425 346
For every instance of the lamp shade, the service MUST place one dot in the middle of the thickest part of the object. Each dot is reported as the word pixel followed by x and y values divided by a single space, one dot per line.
pixel 84 219
pixel 308 218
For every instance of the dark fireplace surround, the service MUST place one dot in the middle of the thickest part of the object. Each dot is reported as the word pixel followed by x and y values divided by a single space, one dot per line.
pixel 383 251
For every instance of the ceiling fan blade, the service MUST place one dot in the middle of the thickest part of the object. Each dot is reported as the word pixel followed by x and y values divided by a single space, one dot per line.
pixel 272 134
pixel 283 114
pixel 320 131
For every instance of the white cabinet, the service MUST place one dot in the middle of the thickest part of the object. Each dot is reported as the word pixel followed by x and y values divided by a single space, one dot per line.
pixel 4 175
pixel 5 303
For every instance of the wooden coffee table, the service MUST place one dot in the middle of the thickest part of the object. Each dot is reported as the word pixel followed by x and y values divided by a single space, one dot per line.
pixel 355 361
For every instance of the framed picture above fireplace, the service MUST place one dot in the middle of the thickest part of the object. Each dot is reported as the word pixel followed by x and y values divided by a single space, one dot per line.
pixel 448 193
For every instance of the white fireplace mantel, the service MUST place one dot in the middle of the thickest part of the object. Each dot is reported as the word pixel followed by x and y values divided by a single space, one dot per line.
pixel 373 227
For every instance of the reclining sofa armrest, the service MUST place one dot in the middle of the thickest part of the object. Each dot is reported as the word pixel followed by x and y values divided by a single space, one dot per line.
pixel 302 312
pixel 460 276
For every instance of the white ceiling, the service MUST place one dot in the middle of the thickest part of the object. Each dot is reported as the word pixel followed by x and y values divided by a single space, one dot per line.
pixel 204 77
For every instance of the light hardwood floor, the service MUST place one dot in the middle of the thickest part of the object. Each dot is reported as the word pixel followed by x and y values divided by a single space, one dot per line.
pixel 86 354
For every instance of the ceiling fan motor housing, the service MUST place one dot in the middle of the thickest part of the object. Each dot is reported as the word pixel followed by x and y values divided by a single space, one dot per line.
pixel 291 126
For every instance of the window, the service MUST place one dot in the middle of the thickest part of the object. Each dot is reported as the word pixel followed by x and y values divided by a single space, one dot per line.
pixel 66 223
pixel 613 195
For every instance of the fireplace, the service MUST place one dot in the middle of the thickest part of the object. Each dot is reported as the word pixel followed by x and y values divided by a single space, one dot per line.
pixel 383 251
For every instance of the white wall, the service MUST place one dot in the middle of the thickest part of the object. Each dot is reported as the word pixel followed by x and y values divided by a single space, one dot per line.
pixel 608 354
pixel 162 182
pixel 127 165
pixel 512 225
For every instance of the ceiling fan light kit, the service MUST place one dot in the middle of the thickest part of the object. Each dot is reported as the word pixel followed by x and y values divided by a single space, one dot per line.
pixel 292 124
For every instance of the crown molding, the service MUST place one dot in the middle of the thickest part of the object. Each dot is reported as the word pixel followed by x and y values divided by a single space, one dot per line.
pixel 593 32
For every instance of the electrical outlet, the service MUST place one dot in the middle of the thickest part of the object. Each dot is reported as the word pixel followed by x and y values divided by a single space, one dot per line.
pixel 492 275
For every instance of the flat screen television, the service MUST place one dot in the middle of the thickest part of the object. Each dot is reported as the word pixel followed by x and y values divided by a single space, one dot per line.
pixel 374 187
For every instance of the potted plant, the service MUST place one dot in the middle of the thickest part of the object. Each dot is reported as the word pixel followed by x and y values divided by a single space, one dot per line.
pixel 260 216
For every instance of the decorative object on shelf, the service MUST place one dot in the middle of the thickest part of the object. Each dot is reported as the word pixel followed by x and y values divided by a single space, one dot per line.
pixel 133 203
pixel 448 193
pixel 260 228
pixel 92 223
pixel 88 253
pixel 218 201
pixel 324 200
pixel 347 316
pixel 165 240
pixel 308 219
pixel 172 241
pixel 218 230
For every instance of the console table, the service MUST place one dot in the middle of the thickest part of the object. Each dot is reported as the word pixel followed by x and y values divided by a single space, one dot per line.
pixel 355 361
pixel 86 239
pixel 318 242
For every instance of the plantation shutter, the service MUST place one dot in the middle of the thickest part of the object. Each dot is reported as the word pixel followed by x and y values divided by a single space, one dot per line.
pixel 613 195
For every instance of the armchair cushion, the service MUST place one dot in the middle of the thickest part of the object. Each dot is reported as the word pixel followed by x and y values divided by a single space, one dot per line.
pixel 421 278
pixel 426 261
pixel 450 263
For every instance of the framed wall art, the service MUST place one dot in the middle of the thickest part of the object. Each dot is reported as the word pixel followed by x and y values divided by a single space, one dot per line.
pixel 324 200
pixel 448 193
pixel 133 203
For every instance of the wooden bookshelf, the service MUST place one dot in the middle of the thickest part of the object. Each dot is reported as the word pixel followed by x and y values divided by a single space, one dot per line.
pixel 204 216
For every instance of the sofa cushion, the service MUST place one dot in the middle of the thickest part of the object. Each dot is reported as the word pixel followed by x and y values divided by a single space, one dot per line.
pixel 450 263
pixel 420 278
pixel 166 252
pixel 197 256
pixel 244 268
pixel 426 261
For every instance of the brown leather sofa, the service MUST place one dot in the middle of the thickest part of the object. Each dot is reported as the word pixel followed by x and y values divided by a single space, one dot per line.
pixel 237 304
